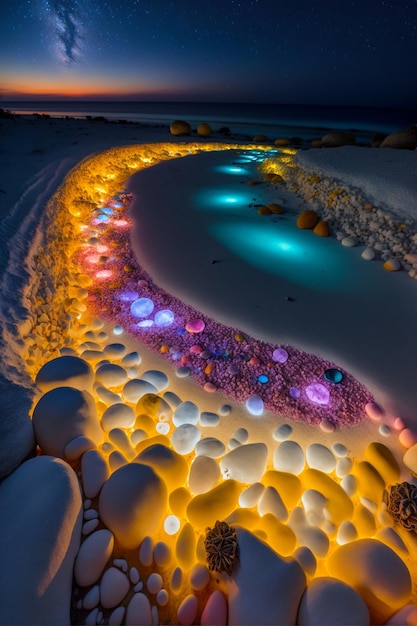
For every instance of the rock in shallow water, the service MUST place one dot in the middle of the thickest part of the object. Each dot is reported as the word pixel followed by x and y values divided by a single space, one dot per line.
pixel 40 528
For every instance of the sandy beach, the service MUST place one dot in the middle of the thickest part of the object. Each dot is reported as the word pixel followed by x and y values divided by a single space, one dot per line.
pixel 177 354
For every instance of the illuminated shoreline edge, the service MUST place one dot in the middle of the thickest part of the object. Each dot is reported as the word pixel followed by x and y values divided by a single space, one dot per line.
pixel 61 318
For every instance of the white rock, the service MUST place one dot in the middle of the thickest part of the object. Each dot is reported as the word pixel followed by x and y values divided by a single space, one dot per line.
pixel 241 435
pixel 283 432
pixel 215 610
pixel 393 264
pixel 187 611
pixel 90 526
pixel 146 551
pixel 349 242
pixel 320 457
pixel 120 439
pixel 40 525
pixel 289 457
pixel 77 446
pixel 116 616
pixel 250 496
pixel 65 371
pixel 349 484
pixel 94 472
pixel 92 557
pixel 368 254
pixel 343 467
pixel 111 375
pixel 92 598
pixel 306 559
pixel 157 378
pixel 162 597
pixel 183 372
pixel 209 419
pixel 210 446
pixel 255 405
pixel 272 595
pixel 131 359
pixel 62 414
pixel 246 464
pixel 108 397
pixel 315 539
pixel 135 389
pixel 204 474
pixel 114 586
pixel 185 438
pixel 154 583
pixel 162 554
pixel 134 575
pixel 115 350
pixel 118 416
pixel 346 533
pixel 199 577
pixel 116 460
pixel 139 611
pixel 313 500
pixel 121 564
pixel 330 602
pixel 186 413
pixel 133 503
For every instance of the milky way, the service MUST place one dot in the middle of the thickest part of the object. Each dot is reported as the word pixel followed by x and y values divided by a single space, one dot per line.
pixel 67 24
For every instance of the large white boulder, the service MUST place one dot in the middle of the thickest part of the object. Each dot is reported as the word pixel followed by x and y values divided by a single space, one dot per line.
pixel 40 530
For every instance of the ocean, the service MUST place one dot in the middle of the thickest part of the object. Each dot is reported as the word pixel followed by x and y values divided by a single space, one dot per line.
pixel 285 120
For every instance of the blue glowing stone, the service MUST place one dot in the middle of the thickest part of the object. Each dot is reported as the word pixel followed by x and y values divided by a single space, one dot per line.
pixel 117 330
pixel 263 378
pixel 128 296
pixel 255 405
pixel 164 318
pixel 280 355
pixel 295 392
pixel 107 210
pixel 318 394
pixel 145 323
pixel 102 218
pixel 142 307
pixel 333 375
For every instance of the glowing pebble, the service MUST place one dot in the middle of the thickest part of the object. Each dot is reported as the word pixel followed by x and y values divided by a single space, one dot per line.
pixel 142 307
pixel 65 371
pixel 210 388
pixel 289 457
pixel 128 296
pixel 307 219
pixel 118 416
pixel 295 393
pixel 320 457
pixel 209 419
pixel 63 414
pixel 77 446
pixel 195 326
pixel 145 324
pixel 374 411
pixel 136 389
pixel 217 503
pixel 328 601
pixel 185 546
pixel 250 496
pixel 271 502
pixel 383 460
pixel 255 405
pixel 313 500
pixel 283 432
pixel 279 536
pixel 154 407
pixel 118 330
pixel 369 481
pixel 210 446
pixel 185 438
pixel 318 394
pixel 164 318
pixel 186 413
pixel 343 466
pixel 307 560
pixel 246 464
pixel 104 274
pixel 204 474
pixel 315 539
pixel 407 438
pixel 132 503
pixel 178 501
pixel 187 611
pixel 157 378
pixel 392 539
pixel 167 463
pixel 114 586
pixel 410 459
pixel 288 486
pixel 339 505
pixel 92 557
pixel 111 375
pixel 333 375
pixel 280 355
pixel 215 610
pixel 346 533
pixel 376 572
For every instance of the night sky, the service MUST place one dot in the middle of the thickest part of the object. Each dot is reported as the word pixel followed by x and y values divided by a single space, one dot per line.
pixel 337 52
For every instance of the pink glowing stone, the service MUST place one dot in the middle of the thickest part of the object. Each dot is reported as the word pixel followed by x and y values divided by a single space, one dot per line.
pixel 93 258
pixel 196 349
pixel 318 394
pixel 195 326
pixel 280 355
pixel 104 274
pixel 101 248
pixel 120 223
pixel 374 411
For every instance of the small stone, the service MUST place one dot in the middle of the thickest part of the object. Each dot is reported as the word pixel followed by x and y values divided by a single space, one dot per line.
pixel 246 463
pixel 114 586
pixel 289 457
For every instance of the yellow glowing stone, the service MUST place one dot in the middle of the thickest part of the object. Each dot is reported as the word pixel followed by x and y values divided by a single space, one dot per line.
pixel 288 486
pixel 339 504
pixel 168 464
pixel 151 441
pixel 150 404
pixel 146 423
pixel 364 521
pixel 216 504
pixel 376 572
pixel 279 536
pixel 382 459
pixel 178 501
pixel 244 517
pixel 185 547
pixel 164 349
pixel 84 280
pixel 369 481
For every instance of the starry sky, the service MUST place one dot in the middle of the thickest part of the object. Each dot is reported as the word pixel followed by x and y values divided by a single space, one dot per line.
pixel 334 52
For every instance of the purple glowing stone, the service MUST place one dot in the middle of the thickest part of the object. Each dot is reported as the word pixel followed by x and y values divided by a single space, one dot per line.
pixel 142 307
pixel 295 392
pixel 255 405
pixel 195 326
pixel 280 355
pixel 164 318
pixel 128 296
pixel 318 394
